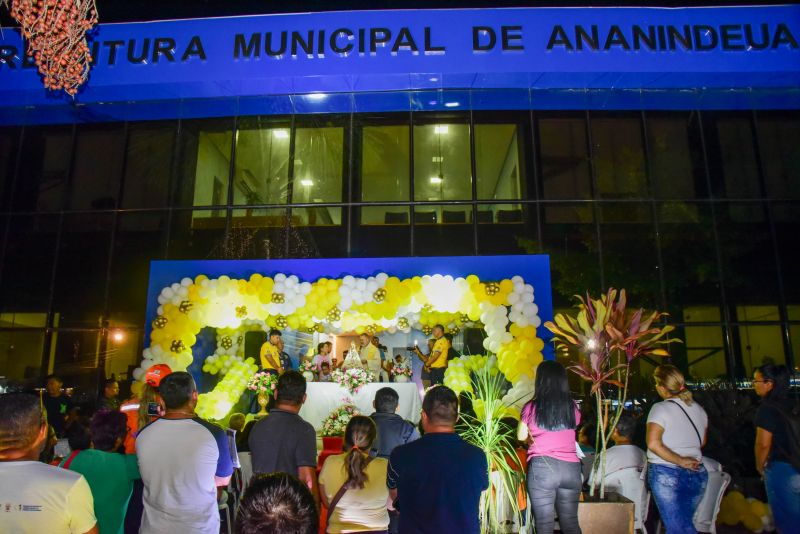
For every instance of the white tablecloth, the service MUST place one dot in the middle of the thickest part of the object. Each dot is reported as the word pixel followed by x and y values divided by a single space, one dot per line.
pixel 323 398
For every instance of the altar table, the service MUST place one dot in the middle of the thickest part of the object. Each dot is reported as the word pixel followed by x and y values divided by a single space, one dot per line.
pixel 323 397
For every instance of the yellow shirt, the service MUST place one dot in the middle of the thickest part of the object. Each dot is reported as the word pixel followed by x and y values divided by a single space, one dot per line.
pixel 358 509
pixel 272 350
pixel 441 345
pixel 373 357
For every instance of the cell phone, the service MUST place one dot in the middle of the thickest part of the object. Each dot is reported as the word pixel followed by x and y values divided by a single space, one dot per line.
pixel 411 349
pixel 153 409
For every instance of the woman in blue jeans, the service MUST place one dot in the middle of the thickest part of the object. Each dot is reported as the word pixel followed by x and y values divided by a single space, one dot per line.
pixel 773 446
pixel 554 472
pixel 676 433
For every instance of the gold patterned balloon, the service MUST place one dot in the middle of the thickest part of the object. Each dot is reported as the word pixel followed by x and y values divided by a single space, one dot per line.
pixel 160 322
pixel 281 322
pixel 402 323
pixel 492 289
pixel 226 342
pixel 379 295
pixel 241 312
pixel 185 306
pixel 427 330
pixel 177 346
pixel 278 298
pixel 334 314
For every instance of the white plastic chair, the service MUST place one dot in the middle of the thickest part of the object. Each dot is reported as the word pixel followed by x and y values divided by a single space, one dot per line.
pixel 705 518
pixel 628 482
pixel 247 468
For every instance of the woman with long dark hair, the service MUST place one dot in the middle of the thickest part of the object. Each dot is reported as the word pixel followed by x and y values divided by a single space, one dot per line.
pixel 353 486
pixel 773 445
pixel 548 423
pixel 676 433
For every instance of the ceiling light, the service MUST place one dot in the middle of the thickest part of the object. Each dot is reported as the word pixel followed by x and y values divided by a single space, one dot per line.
pixel 433 79
pixel 451 104
pixel 306 182
pixel 317 96
pixel 280 134
pixel 436 179
pixel 118 336
pixel 437 159
pixel 440 129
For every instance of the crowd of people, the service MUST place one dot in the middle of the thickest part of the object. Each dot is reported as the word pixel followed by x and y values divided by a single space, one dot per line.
pixel 152 465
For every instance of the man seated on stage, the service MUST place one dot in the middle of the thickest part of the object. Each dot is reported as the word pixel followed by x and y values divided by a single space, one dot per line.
pixel 436 361
pixel 284 442
pixel 370 356
pixel 271 354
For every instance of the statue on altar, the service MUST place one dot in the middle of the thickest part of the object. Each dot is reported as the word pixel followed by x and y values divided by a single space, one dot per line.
pixel 353 358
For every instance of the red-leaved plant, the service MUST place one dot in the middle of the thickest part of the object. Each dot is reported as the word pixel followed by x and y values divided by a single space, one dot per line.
pixel 608 339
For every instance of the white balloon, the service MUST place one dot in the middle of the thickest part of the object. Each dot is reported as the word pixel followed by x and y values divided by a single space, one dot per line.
pixel 536 321
pixel 513 298
pixel 487 343
pixel 527 297
pixel 138 373
pixel 175 287
pixel 183 292
pixel 371 286
pixel 162 299
pixel 186 282
pixel 361 284
pixel 529 289
pixel 349 280
pixel 280 277
pixel 381 278
pixel 168 293
pixel 517 279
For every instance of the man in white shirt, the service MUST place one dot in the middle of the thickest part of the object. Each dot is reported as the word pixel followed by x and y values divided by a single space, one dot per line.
pixel 36 497
pixel 183 461
pixel 624 453
pixel 370 356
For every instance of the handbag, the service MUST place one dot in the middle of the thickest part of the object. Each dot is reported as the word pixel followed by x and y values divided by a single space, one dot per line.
pixel 340 494
pixel 690 420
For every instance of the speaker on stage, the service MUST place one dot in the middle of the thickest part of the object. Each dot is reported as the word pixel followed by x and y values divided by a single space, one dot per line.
pixel 252 344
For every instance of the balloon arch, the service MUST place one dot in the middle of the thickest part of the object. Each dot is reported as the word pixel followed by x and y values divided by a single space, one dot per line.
pixel 283 294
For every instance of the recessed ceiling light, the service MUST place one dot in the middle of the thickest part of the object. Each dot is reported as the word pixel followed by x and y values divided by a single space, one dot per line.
pixel 280 134
pixel 436 179
pixel 451 104
pixel 306 182
pixel 437 159
pixel 440 129
pixel 317 96
pixel 433 79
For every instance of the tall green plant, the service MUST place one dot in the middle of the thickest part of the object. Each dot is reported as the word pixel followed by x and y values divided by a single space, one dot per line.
pixel 485 431
pixel 608 338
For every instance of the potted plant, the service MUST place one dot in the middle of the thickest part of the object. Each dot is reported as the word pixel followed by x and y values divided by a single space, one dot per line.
pixel 309 371
pixel 607 338
pixel 264 385
pixel 401 372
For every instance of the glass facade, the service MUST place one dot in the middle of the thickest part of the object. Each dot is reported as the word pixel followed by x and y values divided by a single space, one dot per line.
pixel 695 213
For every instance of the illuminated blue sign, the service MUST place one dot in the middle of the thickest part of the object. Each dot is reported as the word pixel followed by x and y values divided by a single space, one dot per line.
pixel 535 49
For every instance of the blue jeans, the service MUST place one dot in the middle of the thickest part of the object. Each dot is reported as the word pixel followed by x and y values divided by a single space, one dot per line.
pixel 677 493
pixel 783 492
pixel 554 486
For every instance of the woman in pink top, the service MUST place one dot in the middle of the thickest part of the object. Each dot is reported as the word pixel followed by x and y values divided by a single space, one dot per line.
pixel 548 423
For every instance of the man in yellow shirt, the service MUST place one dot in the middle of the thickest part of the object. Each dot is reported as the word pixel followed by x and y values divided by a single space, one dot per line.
pixel 436 361
pixel 370 355
pixel 270 353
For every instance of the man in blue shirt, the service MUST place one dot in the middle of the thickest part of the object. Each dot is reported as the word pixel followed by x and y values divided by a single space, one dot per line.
pixel 437 480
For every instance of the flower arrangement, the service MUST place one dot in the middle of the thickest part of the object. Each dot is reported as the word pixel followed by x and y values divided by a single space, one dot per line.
pixel 336 422
pixel 401 369
pixel 263 383
pixel 308 367
pixel 352 379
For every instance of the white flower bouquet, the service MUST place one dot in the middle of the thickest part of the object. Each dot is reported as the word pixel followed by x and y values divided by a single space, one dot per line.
pixel 352 379
pixel 336 422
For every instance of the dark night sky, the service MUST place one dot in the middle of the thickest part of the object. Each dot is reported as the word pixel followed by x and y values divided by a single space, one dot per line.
pixel 141 10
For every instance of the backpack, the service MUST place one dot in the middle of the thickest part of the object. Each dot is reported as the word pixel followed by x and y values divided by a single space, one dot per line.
pixel 791 417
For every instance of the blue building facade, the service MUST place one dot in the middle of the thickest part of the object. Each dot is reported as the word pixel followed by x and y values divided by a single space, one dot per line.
pixel 651 149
